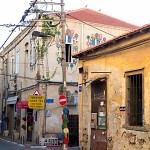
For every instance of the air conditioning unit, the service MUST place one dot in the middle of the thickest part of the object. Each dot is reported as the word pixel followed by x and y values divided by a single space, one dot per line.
pixel 73 100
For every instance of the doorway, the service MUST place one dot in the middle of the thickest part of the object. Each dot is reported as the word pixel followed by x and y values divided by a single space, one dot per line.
pixel 30 120
pixel 98 115
pixel 73 130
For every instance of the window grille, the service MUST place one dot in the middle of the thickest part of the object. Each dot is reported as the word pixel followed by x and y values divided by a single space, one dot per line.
pixel 135 99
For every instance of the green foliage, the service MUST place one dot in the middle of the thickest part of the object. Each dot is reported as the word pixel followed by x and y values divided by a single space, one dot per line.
pixel 42 43
pixel 48 29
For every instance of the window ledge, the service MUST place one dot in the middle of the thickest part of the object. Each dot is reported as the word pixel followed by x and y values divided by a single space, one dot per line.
pixel 136 128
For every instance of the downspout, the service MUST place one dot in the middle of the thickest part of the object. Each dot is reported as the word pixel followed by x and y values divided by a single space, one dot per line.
pixel 2 97
pixel 6 88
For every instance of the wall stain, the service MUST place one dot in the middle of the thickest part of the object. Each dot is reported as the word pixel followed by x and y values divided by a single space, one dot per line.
pixel 133 139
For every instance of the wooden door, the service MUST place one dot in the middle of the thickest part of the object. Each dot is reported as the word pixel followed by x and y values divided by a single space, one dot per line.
pixel 99 111
pixel 73 130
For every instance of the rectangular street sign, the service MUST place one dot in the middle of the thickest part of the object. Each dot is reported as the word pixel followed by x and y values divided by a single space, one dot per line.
pixel 36 101
pixel 49 100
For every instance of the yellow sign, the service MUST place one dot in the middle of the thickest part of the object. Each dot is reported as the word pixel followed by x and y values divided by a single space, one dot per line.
pixel 36 102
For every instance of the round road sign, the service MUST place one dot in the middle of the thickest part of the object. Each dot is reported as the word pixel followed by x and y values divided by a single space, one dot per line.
pixel 66 140
pixel 66 111
pixel 62 100
pixel 66 130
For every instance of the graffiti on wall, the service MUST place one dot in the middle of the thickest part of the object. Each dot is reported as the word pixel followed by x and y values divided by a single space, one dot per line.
pixel 116 117
pixel 133 139
pixel 95 39
pixel 71 41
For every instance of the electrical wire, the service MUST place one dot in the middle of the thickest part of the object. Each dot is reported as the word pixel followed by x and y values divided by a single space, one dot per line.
pixel 19 41
pixel 22 19
pixel 14 25
pixel 10 75
pixel 17 26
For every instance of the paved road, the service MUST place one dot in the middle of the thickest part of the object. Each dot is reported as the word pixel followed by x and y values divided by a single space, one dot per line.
pixel 8 145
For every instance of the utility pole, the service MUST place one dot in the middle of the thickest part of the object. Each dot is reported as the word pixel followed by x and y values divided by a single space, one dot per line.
pixel 63 47
pixel 63 50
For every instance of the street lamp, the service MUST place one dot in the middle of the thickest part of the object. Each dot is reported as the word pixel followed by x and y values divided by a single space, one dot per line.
pixel 40 34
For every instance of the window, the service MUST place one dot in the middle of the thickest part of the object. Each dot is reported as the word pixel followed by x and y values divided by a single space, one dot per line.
pixel 68 39
pixel 68 52
pixel 134 98
pixel 68 45
pixel 32 53
pixel 17 62
pixel 95 42
pixel 12 70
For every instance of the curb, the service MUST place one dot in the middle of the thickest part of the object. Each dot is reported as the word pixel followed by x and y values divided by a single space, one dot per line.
pixel 41 146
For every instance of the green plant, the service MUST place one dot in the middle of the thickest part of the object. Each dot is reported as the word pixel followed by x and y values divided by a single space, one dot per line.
pixel 44 42
pixel 47 29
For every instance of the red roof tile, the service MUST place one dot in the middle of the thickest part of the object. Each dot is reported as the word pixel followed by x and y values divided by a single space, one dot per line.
pixel 89 15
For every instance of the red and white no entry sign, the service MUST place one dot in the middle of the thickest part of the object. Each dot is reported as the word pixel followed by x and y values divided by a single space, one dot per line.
pixel 62 100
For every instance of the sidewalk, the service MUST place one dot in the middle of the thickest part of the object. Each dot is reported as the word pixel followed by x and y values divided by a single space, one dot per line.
pixel 28 144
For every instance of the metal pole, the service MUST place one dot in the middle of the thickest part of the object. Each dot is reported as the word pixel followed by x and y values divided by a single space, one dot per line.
pixel 3 97
pixel 22 139
pixel 6 90
pixel 63 54
pixel 12 137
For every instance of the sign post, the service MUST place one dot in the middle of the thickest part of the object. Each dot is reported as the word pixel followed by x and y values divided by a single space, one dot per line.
pixel 63 102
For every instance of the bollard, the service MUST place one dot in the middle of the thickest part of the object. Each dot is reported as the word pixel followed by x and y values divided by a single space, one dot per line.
pixel 22 139
pixel 12 137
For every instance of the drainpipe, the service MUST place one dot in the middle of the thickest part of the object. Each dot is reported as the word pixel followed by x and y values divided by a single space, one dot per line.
pixel 3 83
pixel 2 97
pixel 6 89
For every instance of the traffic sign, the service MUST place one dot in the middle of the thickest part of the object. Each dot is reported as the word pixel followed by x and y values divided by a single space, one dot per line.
pixel 63 116
pixel 66 111
pixel 62 100
pixel 66 120
pixel 66 130
pixel 36 92
pixel 66 140
pixel 49 100
pixel 36 102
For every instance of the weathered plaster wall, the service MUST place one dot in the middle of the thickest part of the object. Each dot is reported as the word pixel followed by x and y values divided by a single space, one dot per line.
pixel 54 122
pixel 119 138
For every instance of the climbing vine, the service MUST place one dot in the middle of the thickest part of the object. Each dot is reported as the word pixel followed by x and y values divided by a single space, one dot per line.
pixel 43 43
pixel 49 30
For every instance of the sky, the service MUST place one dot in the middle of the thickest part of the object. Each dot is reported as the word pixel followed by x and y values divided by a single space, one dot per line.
pixel 132 11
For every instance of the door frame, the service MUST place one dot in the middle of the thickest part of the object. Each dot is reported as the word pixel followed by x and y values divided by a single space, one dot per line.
pixel 99 82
